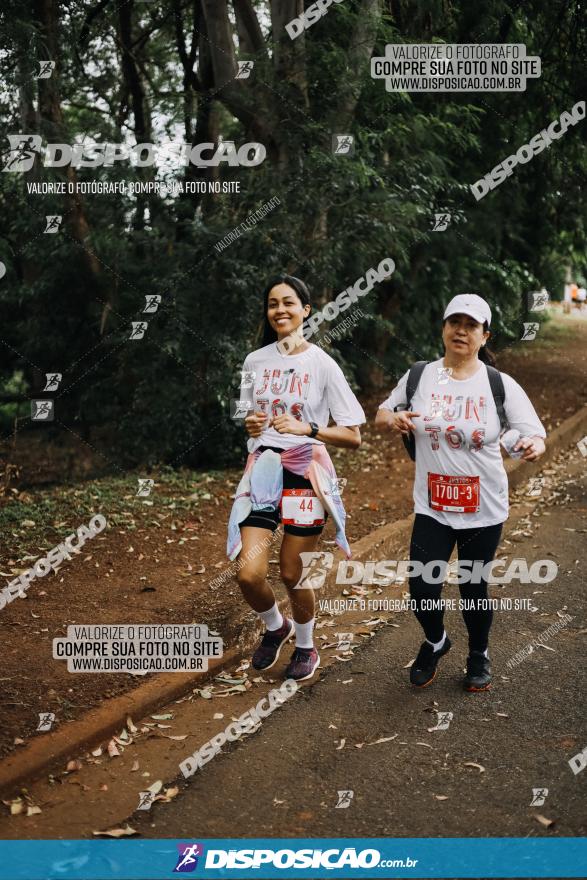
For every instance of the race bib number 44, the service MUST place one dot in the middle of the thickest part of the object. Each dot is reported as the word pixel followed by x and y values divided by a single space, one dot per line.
pixel 453 494
pixel 300 507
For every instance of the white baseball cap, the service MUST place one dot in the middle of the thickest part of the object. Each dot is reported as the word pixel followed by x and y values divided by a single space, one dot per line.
pixel 469 304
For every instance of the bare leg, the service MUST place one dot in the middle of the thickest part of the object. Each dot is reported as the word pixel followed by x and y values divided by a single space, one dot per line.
pixel 252 575
pixel 301 600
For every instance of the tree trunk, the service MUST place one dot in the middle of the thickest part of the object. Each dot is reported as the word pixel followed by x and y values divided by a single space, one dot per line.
pixel 51 125
pixel 140 109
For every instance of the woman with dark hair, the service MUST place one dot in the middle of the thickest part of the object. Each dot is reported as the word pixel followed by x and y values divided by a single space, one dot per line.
pixel 292 388
pixel 456 414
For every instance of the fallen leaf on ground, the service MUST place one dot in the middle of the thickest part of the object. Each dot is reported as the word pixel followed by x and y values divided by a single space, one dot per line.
pixel 168 795
pixel 112 750
pixel 16 806
pixel 134 767
pixel 230 679
pixel 165 717
pixel 340 745
pixel 441 797
pixel 382 739
pixel 127 831
pixel 32 811
pixel 235 689
pixel 97 752
pixel 479 767
pixel 72 766
pixel 130 725
pixel 543 820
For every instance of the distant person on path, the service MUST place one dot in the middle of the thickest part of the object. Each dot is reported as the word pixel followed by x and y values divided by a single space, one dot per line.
pixel 574 294
pixel 460 487
pixel 292 388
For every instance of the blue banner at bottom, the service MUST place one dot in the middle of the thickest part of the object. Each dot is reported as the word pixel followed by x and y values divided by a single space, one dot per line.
pixel 286 857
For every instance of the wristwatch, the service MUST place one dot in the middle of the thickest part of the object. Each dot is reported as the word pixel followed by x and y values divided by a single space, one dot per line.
pixel 315 428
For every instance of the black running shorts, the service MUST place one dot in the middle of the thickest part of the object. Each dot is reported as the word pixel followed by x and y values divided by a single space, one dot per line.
pixel 270 519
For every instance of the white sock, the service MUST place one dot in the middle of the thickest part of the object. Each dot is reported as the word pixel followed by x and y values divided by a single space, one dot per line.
pixel 304 632
pixel 486 652
pixel 438 645
pixel 273 618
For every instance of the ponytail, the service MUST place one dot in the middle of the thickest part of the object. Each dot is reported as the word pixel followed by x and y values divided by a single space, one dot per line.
pixel 485 353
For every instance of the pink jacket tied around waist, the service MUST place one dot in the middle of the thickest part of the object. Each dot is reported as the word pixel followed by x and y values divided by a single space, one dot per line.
pixel 261 488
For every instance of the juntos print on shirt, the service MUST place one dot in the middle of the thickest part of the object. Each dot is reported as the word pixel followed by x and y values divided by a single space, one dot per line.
pixel 278 384
pixel 467 412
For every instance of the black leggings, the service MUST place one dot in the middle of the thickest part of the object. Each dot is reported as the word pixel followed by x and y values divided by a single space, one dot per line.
pixel 432 540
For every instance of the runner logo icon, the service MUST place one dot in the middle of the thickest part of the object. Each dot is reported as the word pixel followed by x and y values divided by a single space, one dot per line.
pixel 187 860
pixel 313 576
pixel 23 150
pixel 539 795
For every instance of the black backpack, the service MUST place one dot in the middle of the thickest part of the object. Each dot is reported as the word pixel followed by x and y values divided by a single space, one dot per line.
pixel 416 370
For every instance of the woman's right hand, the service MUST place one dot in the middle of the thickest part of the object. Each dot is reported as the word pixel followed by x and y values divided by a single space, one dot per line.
pixel 255 423
pixel 402 421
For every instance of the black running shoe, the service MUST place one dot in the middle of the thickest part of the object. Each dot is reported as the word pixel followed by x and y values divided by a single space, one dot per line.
pixel 423 669
pixel 268 650
pixel 478 677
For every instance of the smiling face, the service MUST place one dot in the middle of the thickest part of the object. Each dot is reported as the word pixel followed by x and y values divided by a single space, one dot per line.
pixel 463 336
pixel 285 311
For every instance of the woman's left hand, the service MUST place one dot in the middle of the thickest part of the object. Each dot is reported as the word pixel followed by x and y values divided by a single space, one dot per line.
pixel 286 424
pixel 533 447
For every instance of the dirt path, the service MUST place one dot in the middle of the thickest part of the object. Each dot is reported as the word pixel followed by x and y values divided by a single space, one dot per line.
pixel 417 782
pixel 473 779
pixel 158 559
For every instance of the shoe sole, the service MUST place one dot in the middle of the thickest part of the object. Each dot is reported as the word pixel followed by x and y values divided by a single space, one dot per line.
pixel 473 690
pixel 313 672
pixel 280 646
pixel 430 680
pixel 425 685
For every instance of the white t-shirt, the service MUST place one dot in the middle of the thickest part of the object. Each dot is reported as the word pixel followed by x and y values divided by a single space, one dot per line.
pixel 310 386
pixel 457 434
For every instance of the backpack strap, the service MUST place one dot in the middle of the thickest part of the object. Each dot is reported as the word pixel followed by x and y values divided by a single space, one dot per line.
pixel 498 391
pixel 414 376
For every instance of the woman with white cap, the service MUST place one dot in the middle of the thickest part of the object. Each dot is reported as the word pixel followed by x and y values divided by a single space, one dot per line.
pixel 455 409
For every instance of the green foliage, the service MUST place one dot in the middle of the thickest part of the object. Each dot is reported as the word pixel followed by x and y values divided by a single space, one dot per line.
pixel 166 397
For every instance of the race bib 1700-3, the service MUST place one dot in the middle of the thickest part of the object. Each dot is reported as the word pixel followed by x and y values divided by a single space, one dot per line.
pixel 453 494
